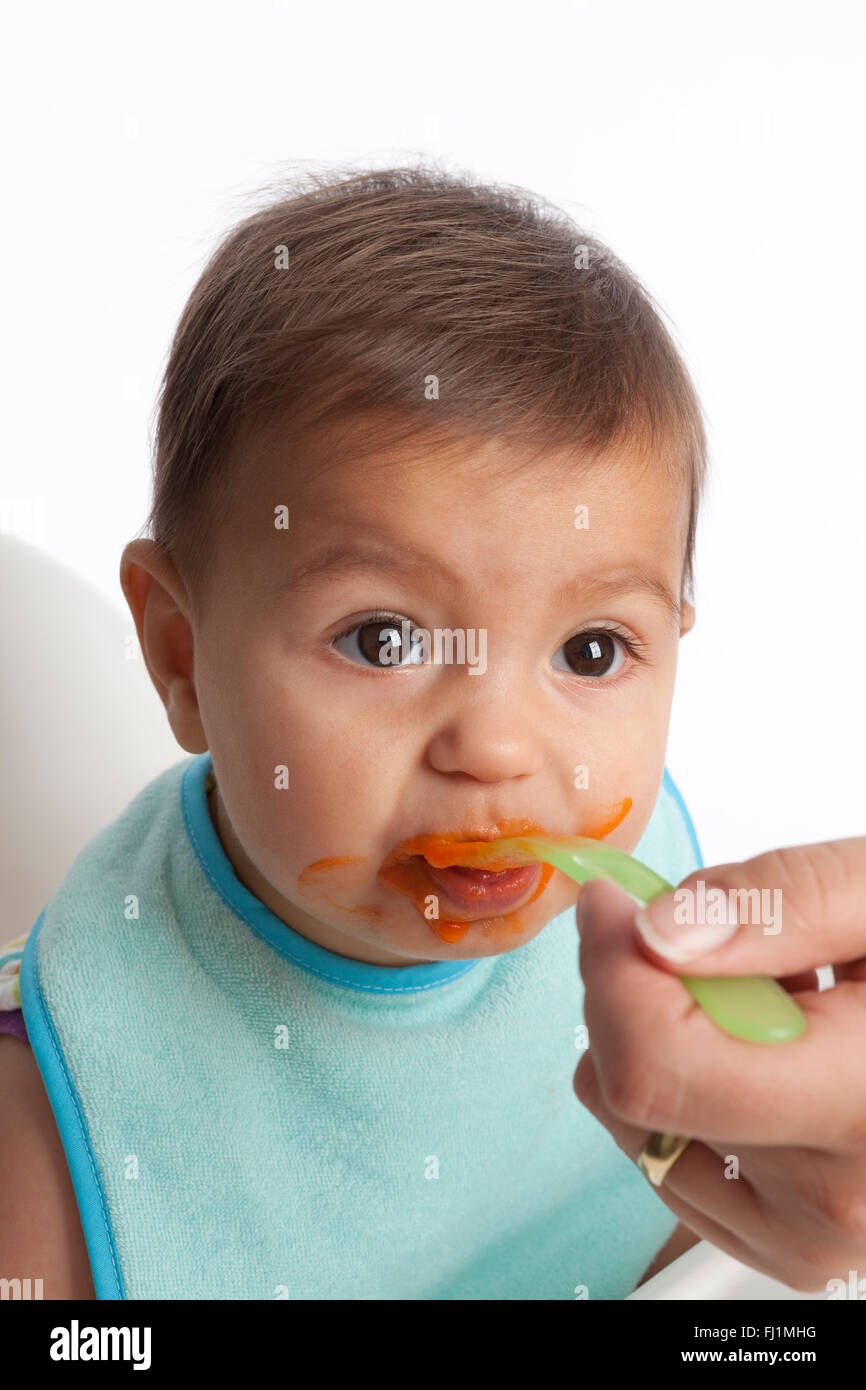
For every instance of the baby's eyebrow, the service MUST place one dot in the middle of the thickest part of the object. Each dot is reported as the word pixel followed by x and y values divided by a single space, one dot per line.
pixel 353 557
pixel 616 583
pixel 350 557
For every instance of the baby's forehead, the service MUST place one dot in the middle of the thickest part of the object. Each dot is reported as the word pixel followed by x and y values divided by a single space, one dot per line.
pixel 334 464
pixel 479 510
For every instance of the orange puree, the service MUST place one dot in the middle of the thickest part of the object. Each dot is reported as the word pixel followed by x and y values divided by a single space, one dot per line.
pixel 320 865
pixel 405 870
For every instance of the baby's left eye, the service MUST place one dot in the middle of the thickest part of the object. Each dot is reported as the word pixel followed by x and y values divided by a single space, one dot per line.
pixel 379 641
pixel 593 653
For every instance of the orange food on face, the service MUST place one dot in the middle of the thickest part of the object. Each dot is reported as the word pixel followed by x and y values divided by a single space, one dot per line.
pixel 323 865
pixel 419 881
pixel 425 866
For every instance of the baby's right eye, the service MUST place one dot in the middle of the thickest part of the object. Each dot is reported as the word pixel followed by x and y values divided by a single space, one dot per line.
pixel 379 641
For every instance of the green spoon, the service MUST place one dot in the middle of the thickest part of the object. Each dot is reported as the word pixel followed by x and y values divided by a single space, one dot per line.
pixel 753 1007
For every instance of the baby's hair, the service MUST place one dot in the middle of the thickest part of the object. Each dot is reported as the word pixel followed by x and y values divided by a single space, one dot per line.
pixel 343 297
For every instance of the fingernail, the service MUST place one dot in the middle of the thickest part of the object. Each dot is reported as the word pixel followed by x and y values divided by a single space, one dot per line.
pixel 680 941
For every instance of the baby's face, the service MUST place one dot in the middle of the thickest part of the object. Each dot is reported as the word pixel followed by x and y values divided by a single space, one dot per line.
pixel 565 716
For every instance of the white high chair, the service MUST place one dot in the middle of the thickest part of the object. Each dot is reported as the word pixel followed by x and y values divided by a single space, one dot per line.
pixel 83 731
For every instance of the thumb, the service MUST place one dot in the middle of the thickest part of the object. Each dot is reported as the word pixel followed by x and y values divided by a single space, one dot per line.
pixel 784 911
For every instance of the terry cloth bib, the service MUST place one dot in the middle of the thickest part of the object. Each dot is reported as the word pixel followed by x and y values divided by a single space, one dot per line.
pixel 247 1115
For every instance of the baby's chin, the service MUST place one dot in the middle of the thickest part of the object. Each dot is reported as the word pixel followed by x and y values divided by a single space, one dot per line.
pixel 423 941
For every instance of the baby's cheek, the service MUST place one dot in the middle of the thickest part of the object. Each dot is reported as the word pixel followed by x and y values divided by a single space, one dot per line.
pixel 628 835
pixel 313 833
pixel 642 784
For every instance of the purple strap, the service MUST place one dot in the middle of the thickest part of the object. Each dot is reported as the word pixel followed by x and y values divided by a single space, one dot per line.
pixel 12 1021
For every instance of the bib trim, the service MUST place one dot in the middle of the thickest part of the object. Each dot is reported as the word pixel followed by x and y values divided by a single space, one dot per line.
pixel 89 1193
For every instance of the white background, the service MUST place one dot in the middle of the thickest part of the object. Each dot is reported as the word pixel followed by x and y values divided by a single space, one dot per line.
pixel 718 150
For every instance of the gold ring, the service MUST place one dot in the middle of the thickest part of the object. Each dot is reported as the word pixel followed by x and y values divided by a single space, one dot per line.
pixel 659 1154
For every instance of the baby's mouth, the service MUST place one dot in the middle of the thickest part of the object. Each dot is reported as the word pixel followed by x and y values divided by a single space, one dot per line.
pixel 446 860
pixel 493 891
pixel 479 883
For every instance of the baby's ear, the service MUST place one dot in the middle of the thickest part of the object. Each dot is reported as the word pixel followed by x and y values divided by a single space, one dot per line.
pixel 687 620
pixel 157 599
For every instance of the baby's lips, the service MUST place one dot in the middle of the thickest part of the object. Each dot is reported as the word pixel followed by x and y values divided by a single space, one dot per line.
pixel 443 850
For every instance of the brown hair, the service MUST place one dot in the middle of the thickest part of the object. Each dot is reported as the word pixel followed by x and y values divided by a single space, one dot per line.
pixel 338 299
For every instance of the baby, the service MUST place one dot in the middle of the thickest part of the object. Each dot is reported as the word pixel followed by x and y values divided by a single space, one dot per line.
pixel 427 477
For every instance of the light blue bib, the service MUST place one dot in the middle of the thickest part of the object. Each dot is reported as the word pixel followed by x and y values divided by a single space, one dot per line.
pixel 247 1115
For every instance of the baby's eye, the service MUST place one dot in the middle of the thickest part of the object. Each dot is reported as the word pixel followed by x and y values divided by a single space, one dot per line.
pixel 593 653
pixel 379 641
pixel 382 641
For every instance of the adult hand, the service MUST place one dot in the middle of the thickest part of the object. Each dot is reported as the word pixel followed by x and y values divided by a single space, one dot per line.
pixel 776 1171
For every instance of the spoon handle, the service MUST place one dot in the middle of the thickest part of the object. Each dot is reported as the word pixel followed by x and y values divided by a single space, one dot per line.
pixel 755 1008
